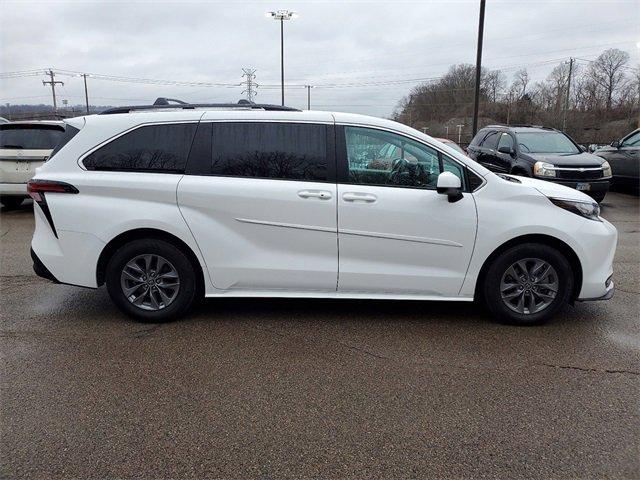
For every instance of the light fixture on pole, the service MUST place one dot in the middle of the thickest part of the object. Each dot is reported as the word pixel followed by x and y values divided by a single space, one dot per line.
pixel 282 15
pixel 309 87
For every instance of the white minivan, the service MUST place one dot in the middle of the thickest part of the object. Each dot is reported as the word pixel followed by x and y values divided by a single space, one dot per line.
pixel 167 204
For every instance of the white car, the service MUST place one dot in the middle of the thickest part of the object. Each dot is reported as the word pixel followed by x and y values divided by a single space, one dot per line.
pixel 168 204
pixel 24 146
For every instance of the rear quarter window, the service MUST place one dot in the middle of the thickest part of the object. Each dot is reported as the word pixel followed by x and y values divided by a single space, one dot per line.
pixel 151 148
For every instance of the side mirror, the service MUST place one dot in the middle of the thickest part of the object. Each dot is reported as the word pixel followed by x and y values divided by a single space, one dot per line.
pixel 449 185
pixel 615 144
pixel 582 148
pixel 505 149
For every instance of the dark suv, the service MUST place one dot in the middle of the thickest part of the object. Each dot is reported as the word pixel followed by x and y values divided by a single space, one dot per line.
pixel 543 153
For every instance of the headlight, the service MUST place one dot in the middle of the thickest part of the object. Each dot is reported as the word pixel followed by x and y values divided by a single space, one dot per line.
pixel 543 169
pixel 606 169
pixel 590 210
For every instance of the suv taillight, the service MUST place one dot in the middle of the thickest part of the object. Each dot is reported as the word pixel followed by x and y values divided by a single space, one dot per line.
pixel 37 188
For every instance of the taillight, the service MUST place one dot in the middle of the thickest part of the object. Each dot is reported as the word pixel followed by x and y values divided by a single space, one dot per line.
pixel 37 188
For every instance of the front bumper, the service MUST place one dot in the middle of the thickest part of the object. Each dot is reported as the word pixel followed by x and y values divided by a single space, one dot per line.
pixel 607 296
pixel 594 187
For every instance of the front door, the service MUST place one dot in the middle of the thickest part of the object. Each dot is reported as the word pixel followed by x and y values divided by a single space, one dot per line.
pixel 396 234
pixel 260 199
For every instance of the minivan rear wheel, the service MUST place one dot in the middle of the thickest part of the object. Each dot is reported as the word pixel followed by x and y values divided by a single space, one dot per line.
pixel 527 284
pixel 151 280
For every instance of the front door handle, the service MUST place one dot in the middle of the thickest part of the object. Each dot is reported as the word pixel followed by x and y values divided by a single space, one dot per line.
pixel 359 197
pixel 320 194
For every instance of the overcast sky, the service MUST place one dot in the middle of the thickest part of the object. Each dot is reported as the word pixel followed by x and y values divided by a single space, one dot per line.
pixel 329 43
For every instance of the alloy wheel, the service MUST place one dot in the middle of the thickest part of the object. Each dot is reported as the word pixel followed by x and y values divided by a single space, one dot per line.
pixel 150 282
pixel 529 286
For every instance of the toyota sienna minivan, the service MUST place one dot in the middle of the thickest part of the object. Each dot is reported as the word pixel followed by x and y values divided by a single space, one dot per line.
pixel 168 204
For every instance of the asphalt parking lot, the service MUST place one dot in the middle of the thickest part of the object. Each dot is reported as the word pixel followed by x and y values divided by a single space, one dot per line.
pixel 262 388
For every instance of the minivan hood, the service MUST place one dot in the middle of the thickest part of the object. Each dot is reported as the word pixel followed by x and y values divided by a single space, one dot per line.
pixel 583 159
pixel 550 189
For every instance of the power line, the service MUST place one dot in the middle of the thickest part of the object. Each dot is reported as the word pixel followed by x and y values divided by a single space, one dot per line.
pixel 53 84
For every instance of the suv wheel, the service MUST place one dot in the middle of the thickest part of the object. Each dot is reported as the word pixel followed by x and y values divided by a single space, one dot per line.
pixel 528 284
pixel 151 280
pixel 11 202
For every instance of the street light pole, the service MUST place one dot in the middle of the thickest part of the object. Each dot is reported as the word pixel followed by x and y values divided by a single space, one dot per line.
pixel 282 15
pixel 459 132
pixel 476 102
pixel 309 87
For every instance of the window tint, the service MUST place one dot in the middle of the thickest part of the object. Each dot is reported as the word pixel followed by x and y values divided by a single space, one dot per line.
pixel 287 151
pixel 505 141
pixel 491 142
pixel 30 137
pixel 152 148
pixel 632 141
pixel 478 138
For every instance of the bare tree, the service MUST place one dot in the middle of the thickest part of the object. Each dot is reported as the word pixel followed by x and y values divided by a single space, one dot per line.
pixel 607 71
pixel 495 82
pixel 520 82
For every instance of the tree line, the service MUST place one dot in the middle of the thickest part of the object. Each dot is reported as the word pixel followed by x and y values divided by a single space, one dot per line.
pixel 593 101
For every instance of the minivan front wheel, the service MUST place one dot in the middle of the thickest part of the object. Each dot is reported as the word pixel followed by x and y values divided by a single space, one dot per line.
pixel 151 280
pixel 528 284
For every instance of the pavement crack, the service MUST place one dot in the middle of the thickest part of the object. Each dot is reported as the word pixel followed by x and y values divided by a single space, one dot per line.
pixel 588 369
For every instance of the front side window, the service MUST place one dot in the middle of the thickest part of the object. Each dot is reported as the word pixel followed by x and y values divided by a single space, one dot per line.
pixel 632 140
pixel 546 142
pixel 376 157
pixel 284 151
pixel 506 141
pixel 162 148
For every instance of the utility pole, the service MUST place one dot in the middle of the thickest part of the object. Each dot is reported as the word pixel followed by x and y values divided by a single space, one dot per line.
pixel 309 87
pixel 53 83
pixel 459 132
pixel 250 75
pixel 476 102
pixel 566 100
pixel 447 131
pixel 86 92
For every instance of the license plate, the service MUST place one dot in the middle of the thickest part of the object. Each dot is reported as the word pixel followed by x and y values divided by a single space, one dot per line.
pixel 583 187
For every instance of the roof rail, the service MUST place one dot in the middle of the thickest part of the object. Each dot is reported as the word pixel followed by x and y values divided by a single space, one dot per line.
pixel 162 103
pixel 520 125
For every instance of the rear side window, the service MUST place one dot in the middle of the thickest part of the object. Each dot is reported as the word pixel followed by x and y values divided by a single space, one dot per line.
pixel 285 151
pixel 152 148
pixel 491 141
pixel 30 137
pixel 478 138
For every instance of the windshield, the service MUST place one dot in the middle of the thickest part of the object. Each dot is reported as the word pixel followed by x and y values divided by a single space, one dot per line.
pixel 30 137
pixel 546 142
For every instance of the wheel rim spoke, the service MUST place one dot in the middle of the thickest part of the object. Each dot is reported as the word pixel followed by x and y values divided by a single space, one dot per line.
pixel 529 286
pixel 150 282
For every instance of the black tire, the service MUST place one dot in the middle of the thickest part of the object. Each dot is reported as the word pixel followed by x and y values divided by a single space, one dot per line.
pixel 178 262
pixel 528 252
pixel 11 202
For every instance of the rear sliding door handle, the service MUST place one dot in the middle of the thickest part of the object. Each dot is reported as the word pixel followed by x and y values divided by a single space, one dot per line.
pixel 320 194
pixel 359 197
